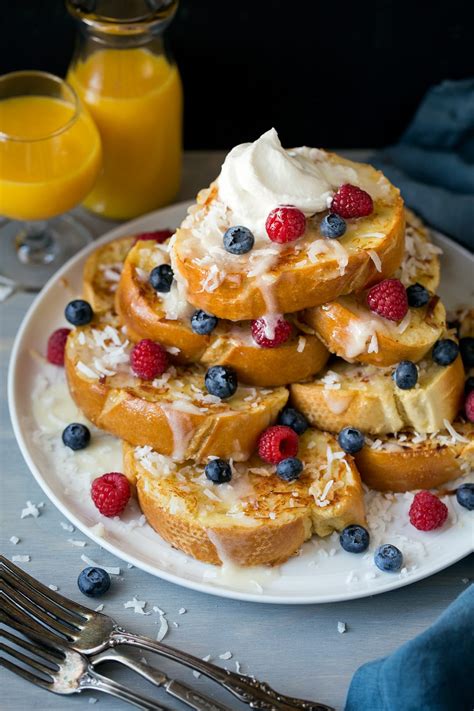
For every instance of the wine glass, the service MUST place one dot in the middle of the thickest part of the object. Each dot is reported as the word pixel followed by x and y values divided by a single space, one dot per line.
pixel 50 157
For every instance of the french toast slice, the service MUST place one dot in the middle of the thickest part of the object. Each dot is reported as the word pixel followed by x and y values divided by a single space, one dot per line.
pixel 366 397
pixel 166 318
pixel 412 460
pixel 283 278
pixel 102 271
pixel 256 518
pixel 174 414
pixel 352 331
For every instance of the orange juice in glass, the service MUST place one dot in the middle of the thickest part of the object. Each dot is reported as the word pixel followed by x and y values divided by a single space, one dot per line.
pixel 133 91
pixel 50 156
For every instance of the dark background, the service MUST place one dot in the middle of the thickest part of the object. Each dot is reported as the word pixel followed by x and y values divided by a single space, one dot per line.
pixel 334 74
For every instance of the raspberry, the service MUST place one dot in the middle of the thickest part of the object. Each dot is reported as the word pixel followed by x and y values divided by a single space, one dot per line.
pixel 110 493
pixel 159 236
pixel 57 345
pixel 285 224
pixel 389 299
pixel 277 443
pixel 351 201
pixel 427 511
pixel 261 332
pixel 148 359
pixel 469 406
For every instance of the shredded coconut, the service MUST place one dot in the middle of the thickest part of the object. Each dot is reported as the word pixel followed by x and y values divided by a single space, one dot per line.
pixel 138 606
pixel 375 258
pixel 341 627
pixel 14 540
pixel 21 558
pixel 30 510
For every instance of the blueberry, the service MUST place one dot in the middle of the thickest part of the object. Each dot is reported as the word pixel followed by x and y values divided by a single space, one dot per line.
pixel 351 440
pixel 354 539
pixel 161 278
pixel 465 496
pixel 221 381
pixel 405 375
pixel 76 436
pixel 93 582
pixel 238 240
pixel 466 347
pixel 445 351
pixel 203 323
pixel 332 226
pixel 289 469
pixel 388 558
pixel 79 312
pixel 417 295
pixel 294 419
pixel 469 385
pixel 218 471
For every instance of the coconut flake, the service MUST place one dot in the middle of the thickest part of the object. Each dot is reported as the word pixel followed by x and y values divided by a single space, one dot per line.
pixel 225 656
pixel 21 558
pixel 375 258
pixel 14 540
pixel 455 435
pixel 75 542
pixel 67 526
pixel 163 630
pixel 341 627
pixel 30 510
pixel 138 606
pixel 301 344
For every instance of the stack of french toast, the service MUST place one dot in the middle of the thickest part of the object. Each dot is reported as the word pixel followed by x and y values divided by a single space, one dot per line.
pixel 283 346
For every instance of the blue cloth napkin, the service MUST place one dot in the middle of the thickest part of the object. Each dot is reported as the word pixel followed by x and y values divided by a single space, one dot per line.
pixel 433 672
pixel 433 164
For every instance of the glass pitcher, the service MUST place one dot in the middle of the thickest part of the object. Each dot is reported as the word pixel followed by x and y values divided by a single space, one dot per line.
pixel 132 88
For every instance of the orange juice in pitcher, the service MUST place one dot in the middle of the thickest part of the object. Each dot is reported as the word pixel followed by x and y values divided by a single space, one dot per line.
pixel 133 91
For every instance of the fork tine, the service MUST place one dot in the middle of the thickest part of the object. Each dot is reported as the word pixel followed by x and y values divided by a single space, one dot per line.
pixel 39 599
pixel 25 659
pixel 25 674
pixel 42 651
pixel 49 594
pixel 29 607
pixel 34 631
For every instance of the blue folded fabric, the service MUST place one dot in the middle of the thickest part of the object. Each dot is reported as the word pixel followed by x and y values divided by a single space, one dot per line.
pixel 433 672
pixel 433 164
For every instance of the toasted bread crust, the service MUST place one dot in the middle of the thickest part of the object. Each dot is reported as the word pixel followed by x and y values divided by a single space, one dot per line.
pixel 99 290
pixel 335 322
pixel 217 538
pixel 291 284
pixel 139 308
pixel 376 406
pixel 136 415
pixel 424 466
pixel 264 545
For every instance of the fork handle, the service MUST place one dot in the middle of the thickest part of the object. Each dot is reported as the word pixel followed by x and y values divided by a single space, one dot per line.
pixel 254 693
pixel 180 691
pixel 96 682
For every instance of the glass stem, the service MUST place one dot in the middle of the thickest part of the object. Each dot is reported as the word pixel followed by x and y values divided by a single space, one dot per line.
pixel 35 243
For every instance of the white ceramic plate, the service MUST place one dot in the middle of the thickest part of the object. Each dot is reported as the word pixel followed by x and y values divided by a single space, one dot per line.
pixel 322 573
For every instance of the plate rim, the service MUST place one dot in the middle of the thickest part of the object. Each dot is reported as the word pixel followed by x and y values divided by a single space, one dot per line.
pixel 202 587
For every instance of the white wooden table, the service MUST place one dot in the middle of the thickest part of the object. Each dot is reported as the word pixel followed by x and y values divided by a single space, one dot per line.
pixel 297 649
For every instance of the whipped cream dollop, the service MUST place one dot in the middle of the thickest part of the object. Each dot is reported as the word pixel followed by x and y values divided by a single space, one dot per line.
pixel 257 177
